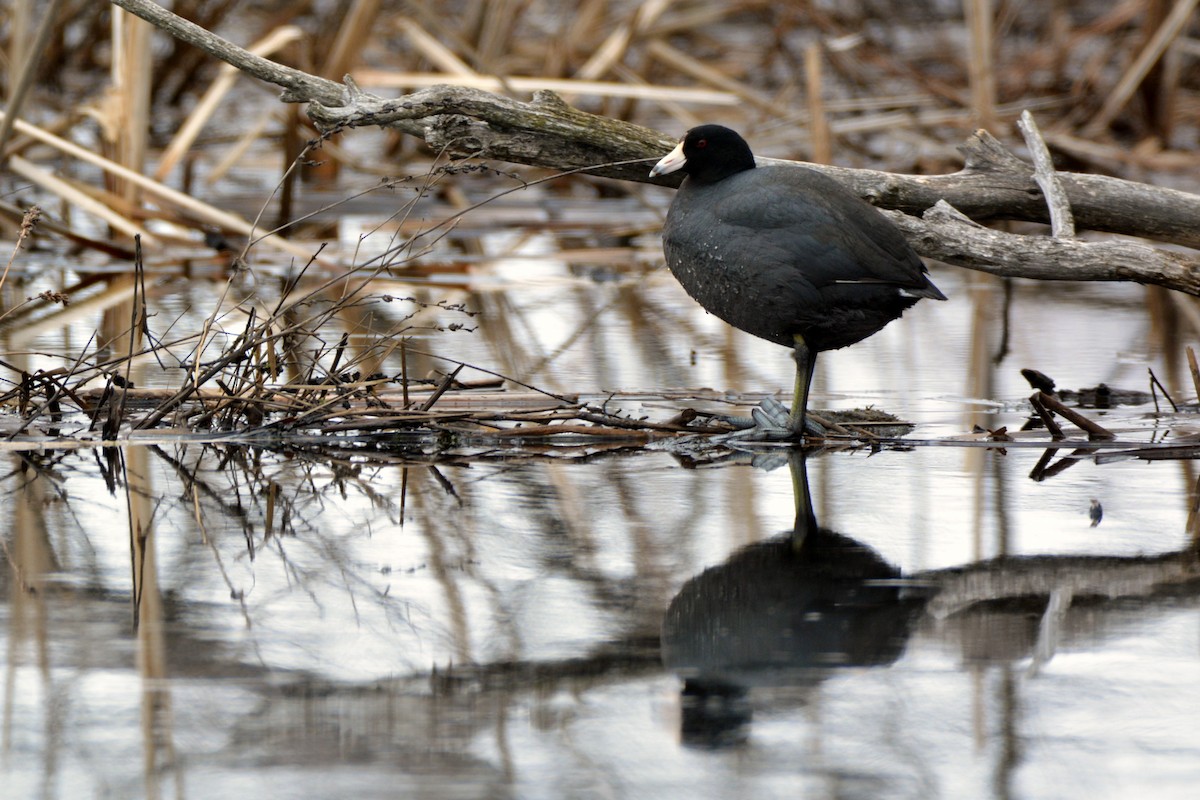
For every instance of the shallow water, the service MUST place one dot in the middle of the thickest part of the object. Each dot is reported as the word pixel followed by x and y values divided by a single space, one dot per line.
pixel 487 629
pixel 329 621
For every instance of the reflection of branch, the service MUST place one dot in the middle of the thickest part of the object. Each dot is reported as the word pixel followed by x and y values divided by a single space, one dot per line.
pixel 621 656
pixel 1042 576
pixel 232 505
pixel 1043 469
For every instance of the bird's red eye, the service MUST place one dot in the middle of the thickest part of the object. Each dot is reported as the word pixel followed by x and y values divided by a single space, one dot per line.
pixel 703 143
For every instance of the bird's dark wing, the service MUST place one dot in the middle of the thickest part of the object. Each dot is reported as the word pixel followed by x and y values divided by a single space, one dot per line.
pixel 794 218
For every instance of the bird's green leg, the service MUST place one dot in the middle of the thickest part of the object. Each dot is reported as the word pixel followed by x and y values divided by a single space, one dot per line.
pixel 806 359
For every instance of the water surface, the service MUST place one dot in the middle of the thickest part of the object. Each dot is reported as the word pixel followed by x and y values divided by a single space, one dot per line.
pixel 483 629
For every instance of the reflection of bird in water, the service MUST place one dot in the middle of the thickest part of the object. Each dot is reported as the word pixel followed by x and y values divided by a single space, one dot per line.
pixel 1096 512
pixel 784 253
pixel 781 612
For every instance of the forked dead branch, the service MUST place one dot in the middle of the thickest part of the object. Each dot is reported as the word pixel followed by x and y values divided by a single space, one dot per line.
pixel 993 184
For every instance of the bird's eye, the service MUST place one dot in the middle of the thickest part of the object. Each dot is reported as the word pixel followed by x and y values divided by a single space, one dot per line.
pixel 703 143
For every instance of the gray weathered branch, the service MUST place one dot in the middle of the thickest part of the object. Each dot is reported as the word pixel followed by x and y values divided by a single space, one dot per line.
pixel 993 184
pixel 545 132
pixel 944 233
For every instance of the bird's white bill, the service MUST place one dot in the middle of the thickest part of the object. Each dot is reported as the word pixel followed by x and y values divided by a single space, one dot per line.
pixel 671 162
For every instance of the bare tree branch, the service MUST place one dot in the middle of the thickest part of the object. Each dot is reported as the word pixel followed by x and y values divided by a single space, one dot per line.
pixel 946 234
pixel 993 184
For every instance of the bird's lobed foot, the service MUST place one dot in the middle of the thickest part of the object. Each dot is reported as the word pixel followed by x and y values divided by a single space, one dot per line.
pixel 770 421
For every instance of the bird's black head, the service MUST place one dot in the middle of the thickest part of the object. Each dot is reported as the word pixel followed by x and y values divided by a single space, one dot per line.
pixel 708 153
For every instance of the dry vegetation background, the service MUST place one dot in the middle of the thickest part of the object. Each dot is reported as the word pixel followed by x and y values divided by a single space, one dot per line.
pixel 120 132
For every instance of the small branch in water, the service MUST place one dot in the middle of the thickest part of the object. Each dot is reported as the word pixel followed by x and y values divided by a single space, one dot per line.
pixel 1154 382
pixel 1047 418
pixel 1093 429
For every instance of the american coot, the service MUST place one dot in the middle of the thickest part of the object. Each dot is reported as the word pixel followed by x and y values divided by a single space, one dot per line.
pixel 784 253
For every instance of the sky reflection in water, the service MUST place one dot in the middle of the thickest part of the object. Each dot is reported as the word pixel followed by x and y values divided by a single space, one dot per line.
pixel 495 631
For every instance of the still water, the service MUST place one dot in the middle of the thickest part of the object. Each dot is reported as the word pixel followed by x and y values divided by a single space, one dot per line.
pixel 298 626
pixel 205 619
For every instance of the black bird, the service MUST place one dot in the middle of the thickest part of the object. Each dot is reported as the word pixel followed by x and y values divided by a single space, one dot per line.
pixel 784 253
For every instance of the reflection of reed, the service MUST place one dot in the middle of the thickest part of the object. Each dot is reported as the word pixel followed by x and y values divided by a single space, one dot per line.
pixel 980 385
pixel 158 738
pixel 31 560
